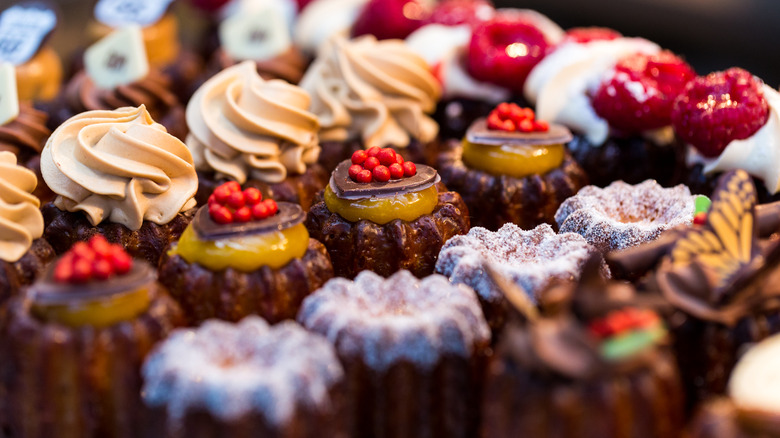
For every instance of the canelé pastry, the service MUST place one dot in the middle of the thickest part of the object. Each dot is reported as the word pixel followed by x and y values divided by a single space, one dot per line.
pixel 23 253
pixel 623 215
pixel 244 380
pixel 512 168
pixel 752 409
pixel 370 93
pixel 256 132
pixel 118 173
pixel 412 352
pixel 24 136
pixel 74 343
pixel 389 218
pixel 242 255
pixel 531 259
pixel 598 367
pixel 721 280
pixel 616 95
pixel 730 120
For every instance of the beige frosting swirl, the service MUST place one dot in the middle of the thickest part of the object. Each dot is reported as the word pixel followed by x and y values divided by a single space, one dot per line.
pixel 377 91
pixel 119 165
pixel 242 126
pixel 21 220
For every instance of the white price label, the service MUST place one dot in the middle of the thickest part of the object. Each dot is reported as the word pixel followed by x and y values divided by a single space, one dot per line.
pixel 258 34
pixel 22 30
pixel 118 59
pixel 117 13
pixel 9 100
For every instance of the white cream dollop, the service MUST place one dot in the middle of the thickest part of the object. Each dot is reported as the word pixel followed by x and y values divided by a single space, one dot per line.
pixel 323 19
pixel 561 84
pixel 21 221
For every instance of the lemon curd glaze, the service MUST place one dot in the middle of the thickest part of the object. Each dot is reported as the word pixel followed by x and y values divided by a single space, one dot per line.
pixel 513 160
pixel 383 209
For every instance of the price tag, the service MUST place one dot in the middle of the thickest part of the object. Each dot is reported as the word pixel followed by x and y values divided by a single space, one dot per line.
pixel 117 59
pixel 117 13
pixel 22 30
pixel 257 34
pixel 9 100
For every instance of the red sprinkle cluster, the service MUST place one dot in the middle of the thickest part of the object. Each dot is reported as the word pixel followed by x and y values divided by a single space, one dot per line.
pixel 379 164
pixel 511 118
pixel 621 321
pixel 93 260
pixel 230 204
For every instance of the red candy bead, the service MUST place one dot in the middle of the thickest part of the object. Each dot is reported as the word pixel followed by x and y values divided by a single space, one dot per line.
pixel 252 196
pixel 82 271
pixel 236 200
pixel 260 211
pixel 381 173
pixel 364 176
pixel 121 262
pixel 396 171
pixel 399 159
pixel 359 157
pixel 221 194
pixel 233 186
pixel 409 169
pixel 354 170
pixel 63 272
pixel 102 269
pixel 272 206
pixel 243 214
pixel 221 215
pixel 386 156
pixel 371 163
pixel 373 151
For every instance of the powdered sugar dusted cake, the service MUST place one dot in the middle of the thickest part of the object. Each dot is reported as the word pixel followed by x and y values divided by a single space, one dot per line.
pixel 532 259
pixel 245 369
pixel 623 215
pixel 383 321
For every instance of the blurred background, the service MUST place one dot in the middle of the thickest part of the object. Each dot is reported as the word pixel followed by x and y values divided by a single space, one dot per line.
pixel 710 34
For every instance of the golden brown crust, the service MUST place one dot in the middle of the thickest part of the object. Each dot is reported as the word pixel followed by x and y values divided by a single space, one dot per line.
pixel 85 381
pixel 496 200
pixel 63 229
pixel 274 294
pixel 385 249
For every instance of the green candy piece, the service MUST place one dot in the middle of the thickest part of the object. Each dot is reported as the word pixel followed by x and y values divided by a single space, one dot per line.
pixel 701 204
pixel 628 344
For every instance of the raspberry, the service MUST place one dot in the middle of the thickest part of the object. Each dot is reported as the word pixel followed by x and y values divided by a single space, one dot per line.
pixel 456 12
pixel 718 108
pixel 588 34
pixel 504 49
pixel 387 19
pixel 640 94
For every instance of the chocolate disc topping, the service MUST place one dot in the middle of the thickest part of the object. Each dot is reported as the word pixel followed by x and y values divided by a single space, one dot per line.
pixel 288 216
pixel 344 187
pixel 479 133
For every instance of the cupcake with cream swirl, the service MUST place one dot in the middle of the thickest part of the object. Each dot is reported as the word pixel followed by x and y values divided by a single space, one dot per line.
pixel 372 93
pixel 258 133
pixel 121 174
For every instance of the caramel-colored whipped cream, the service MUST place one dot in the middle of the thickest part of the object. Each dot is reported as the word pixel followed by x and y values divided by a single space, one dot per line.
pixel 119 166
pixel 242 126
pixel 377 91
pixel 21 221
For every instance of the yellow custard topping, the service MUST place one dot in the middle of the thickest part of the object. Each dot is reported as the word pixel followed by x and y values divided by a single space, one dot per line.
pixel 513 160
pixel 100 311
pixel 406 206
pixel 245 253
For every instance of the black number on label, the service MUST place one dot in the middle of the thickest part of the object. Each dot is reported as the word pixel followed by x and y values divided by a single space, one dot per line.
pixel 8 45
pixel 129 8
pixel 257 35
pixel 116 61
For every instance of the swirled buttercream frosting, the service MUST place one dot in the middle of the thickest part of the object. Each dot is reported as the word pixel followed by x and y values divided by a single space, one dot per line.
pixel 119 166
pixel 21 221
pixel 379 92
pixel 243 127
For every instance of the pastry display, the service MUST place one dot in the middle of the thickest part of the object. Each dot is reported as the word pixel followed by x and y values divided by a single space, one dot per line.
pixel 512 167
pixel 384 216
pixel 623 215
pixel 570 370
pixel 23 253
pixel 74 342
pixel 244 380
pixel 411 351
pixel 720 279
pixel 368 93
pixel 256 132
pixel 533 260
pixel 730 120
pixel 243 255
pixel 117 173
pixel 616 95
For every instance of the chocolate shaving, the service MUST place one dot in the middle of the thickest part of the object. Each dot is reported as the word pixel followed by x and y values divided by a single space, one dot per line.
pixel 288 216
pixel 479 133
pixel 343 186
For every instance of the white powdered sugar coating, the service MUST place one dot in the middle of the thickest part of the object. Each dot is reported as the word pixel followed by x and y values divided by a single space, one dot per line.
pixel 231 370
pixel 385 321
pixel 755 381
pixel 623 215
pixel 532 259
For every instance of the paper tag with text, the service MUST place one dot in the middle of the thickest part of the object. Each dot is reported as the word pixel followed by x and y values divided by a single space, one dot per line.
pixel 9 100
pixel 118 59
pixel 258 33
pixel 117 13
pixel 22 31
